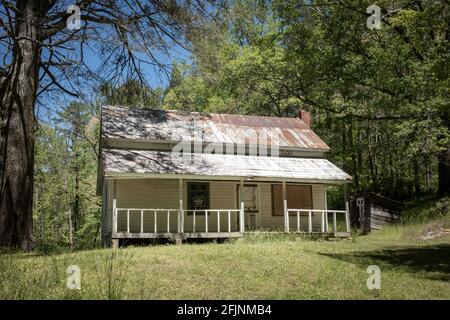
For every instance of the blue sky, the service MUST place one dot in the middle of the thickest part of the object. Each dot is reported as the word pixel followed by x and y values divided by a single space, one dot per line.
pixel 56 100
pixel 50 104
pixel 155 78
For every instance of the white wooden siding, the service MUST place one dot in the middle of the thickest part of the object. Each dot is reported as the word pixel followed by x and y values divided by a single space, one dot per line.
pixel 269 221
pixel 163 194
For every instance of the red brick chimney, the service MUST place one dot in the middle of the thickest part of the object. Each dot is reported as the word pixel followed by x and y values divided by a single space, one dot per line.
pixel 305 116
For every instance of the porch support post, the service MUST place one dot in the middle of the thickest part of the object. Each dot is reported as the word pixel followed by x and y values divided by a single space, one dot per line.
pixel 114 213
pixel 104 222
pixel 114 242
pixel 326 209
pixel 181 211
pixel 347 209
pixel 285 211
pixel 241 209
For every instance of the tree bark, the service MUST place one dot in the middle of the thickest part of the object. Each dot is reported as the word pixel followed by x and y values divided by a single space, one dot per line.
pixel 353 153
pixel 444 173
pixel 444 162
pixel 76 168
pixel 18 95
pixel 417 188
pixel 371 161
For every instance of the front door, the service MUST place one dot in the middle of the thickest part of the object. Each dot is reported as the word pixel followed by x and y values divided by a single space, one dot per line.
pixel 250 199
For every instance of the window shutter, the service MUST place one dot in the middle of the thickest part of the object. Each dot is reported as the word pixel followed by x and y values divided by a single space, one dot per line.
pixel 297 196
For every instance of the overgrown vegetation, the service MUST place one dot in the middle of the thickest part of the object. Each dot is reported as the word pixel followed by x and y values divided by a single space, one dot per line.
pixel 426 209
pixel 104 274
pixel 66 208
pixel 278 267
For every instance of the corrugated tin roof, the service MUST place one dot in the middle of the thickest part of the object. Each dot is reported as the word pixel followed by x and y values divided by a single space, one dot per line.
pixel 154 162
pixel 175 126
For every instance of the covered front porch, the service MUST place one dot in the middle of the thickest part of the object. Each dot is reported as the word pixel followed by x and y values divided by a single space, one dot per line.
pixel 195 207
pixel 152 194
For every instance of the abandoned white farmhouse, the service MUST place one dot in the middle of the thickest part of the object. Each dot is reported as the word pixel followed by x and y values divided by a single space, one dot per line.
pixel 180 175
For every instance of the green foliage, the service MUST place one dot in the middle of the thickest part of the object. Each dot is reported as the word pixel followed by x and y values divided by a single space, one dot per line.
pixel 189 91
pixel 131 93
pixel 335 198
pixel 427 209
pixel 66 208
pixel 67 211
pixel 379 98
pixel 50 221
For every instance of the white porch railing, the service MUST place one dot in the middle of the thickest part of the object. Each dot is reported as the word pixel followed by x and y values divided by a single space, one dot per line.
pixel 209 217
pixel 162 213
pixel 221 220
pixel 324 220
pixel 213 215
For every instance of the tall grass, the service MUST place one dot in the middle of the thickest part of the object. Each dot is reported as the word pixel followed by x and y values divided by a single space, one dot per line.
pixel 21 280
pixel 259 266
pixel 112 273
pixel 104 275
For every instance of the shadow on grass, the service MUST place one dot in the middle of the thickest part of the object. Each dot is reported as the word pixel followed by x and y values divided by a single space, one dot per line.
pixel 434 260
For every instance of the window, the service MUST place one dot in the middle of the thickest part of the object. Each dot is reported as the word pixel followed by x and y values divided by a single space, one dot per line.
pixel 198 195
pixel 249 197
pixel 297 196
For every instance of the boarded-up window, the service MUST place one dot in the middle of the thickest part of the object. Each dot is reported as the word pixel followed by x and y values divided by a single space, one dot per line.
pixel 297 196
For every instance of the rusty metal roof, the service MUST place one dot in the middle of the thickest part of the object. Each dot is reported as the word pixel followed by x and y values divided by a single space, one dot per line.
pixel 138 162
pixel 175 126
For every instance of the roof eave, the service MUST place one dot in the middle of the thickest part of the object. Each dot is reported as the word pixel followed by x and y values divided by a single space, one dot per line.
pixel 128 175
pixel 106 139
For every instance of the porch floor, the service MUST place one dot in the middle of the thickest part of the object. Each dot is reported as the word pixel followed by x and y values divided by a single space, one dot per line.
pixel 223 227
pixel 176 235
pixel 219 235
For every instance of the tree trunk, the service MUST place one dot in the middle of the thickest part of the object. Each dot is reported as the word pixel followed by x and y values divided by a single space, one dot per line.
pixel 417 188
pixel 392 172
pixel 444 173
pixel 352 148
pixel 344 147
pixel 444 163
pixel 76 203
pixel 372 161
pixel 428 175
pixel 76 171
pixel 18 94
pixel 76 200
pixel 70 231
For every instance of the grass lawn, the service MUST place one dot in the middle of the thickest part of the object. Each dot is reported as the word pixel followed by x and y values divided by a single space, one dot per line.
pixel 263 267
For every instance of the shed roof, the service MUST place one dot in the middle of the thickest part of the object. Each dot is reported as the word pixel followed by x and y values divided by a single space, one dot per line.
pixel 176 126
pixel 138 162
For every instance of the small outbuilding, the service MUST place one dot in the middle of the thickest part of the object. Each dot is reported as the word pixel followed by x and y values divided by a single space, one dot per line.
pixel 370 211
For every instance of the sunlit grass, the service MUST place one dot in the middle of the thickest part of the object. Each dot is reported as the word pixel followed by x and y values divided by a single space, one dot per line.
pixel 257 267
